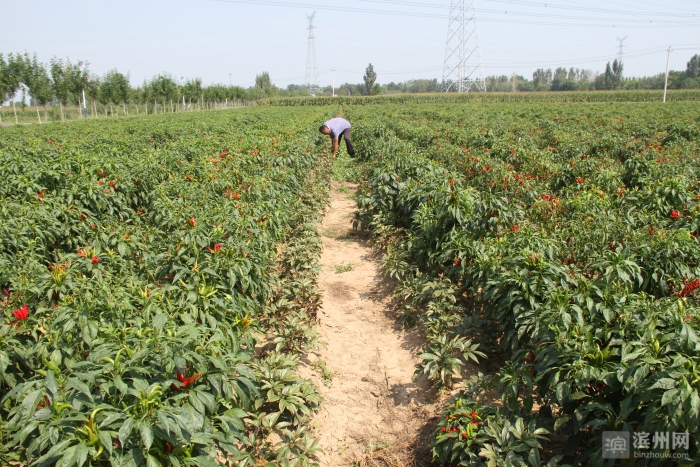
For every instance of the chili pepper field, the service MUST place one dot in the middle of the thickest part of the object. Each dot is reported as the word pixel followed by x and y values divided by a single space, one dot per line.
pixel 158 278
pixel 557 242
pixel 146 252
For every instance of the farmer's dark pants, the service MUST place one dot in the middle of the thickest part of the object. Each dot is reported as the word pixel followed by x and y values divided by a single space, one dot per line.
pixel 348 143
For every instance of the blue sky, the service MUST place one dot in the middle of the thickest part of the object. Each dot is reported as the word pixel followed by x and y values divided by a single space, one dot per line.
pixel 212 38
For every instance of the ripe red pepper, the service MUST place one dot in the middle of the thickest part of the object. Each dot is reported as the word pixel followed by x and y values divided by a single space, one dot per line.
pixel 185 381
pixel 21 312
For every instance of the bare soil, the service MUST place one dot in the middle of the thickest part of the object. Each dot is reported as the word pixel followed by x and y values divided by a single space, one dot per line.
pixel 373 413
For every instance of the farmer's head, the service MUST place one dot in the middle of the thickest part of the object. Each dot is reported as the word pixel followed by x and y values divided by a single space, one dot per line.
pixel 324 129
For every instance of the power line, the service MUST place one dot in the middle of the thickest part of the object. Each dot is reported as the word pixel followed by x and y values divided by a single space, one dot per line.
pixel 631 22
pixel 594 9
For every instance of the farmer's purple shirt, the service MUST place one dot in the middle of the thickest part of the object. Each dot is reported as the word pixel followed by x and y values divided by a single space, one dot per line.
pixel 337 126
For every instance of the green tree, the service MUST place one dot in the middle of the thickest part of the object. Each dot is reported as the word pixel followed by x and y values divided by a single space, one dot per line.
pixel 561 82
pixel 92 84
pixel 77 79
pixel 192 90
pixel 61 82
pixel 693 69
pixel 369 78
pixel 163 88
pixel 542 79
pixel 115 89
pixel 264 84
pixel 10 78
pixel 138 95
pixel 262 81
pixel 38 83
pixel 613 75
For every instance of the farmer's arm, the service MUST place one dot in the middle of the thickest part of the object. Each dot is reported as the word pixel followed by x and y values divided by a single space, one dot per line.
pixel 335 145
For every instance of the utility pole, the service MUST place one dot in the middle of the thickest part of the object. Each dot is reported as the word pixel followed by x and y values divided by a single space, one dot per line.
pixel 514 85
pixel 333 83
pixel 182 83
pixel 230 79
pixel 463 66
pixel 668 59
pixel 619 56
pixel 80 65
pixel 312 83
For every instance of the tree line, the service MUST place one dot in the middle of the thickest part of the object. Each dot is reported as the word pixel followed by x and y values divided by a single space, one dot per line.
pixel 559 79
pixel 575 79
pixel 64 83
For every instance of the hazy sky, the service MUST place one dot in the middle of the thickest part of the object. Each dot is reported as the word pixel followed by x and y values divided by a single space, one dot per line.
pixel 403 39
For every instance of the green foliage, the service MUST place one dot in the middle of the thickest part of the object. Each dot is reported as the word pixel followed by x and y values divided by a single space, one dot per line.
pixel 320 367
pixel 344 267
pixel 344 169
pixel 693 67
pixel 146 253
pixel 369 78
pixel 448 98
pixel 613 75
pixel 472 435
pixel 36 78
pixel 115 89
pixel 563 238
pixel 262 81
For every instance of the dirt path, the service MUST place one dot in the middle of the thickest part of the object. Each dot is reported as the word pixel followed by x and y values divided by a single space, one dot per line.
pixel 372 407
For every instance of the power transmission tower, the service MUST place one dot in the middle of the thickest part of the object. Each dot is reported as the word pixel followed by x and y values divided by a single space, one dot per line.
pixel 621 41
pixel 312 83
pixel 463 67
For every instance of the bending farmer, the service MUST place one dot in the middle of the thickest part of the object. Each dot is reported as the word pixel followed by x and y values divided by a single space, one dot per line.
pixel 338 128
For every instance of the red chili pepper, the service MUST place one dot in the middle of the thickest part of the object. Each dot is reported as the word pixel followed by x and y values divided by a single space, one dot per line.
pixel 689 288
pixel 185 381
pixel 21 312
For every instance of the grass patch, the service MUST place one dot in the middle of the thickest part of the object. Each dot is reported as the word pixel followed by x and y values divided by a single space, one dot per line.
pixel 331 232
pixel 344 267
pixel 345 169
pixel 327 375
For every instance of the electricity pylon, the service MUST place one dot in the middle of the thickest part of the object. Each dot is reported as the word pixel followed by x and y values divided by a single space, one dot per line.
pixel 463 68
pixel 312 83
pixel 621 41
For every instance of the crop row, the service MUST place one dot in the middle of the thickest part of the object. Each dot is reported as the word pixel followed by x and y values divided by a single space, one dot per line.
pixel 559 243
pixel 138 261
pixel 465 98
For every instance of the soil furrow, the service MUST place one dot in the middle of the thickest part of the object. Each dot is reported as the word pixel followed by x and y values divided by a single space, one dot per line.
pixel 372 409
